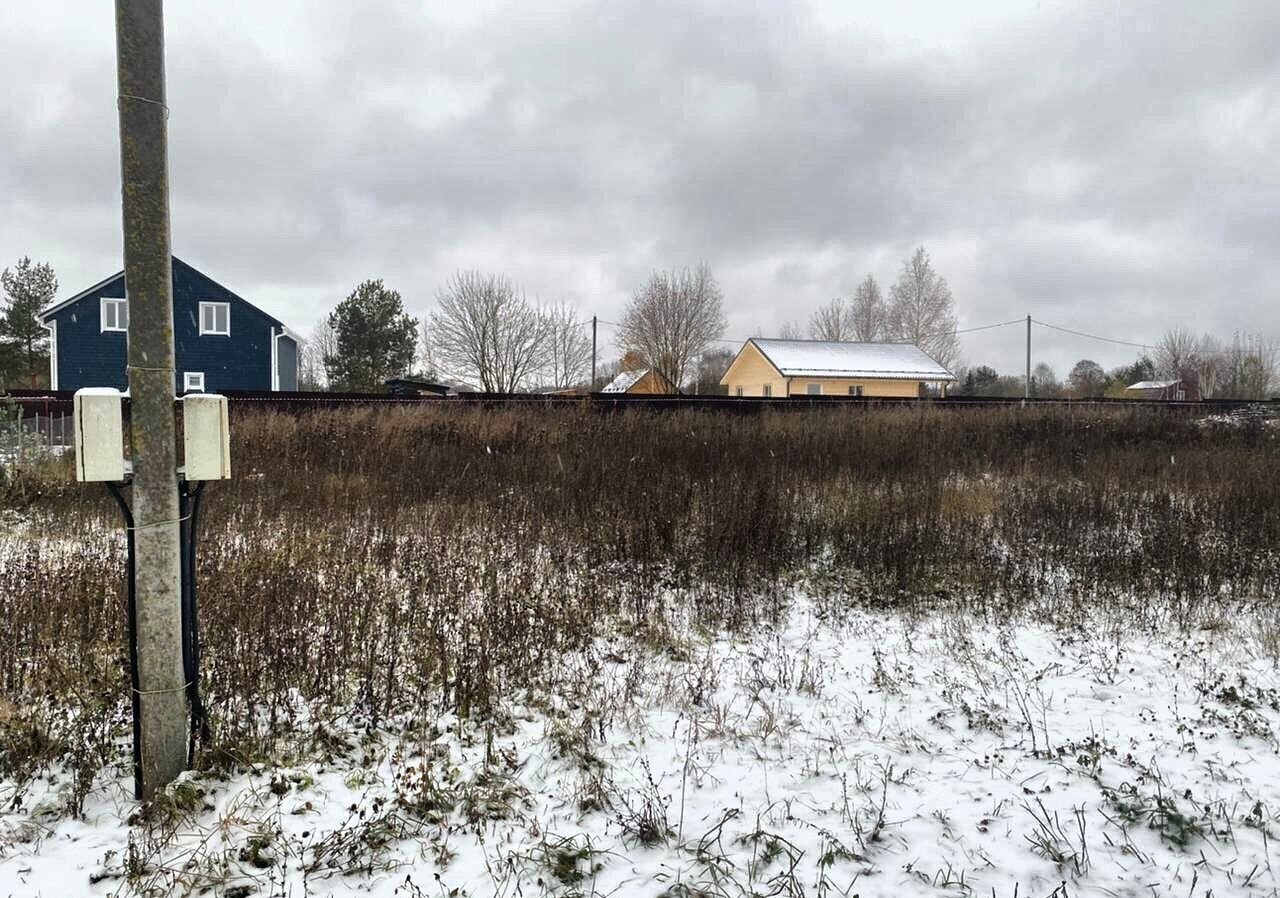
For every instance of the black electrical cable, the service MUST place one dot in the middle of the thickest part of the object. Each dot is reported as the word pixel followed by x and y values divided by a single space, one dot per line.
pixel 199 716
pixel 189 505
pixel 131 615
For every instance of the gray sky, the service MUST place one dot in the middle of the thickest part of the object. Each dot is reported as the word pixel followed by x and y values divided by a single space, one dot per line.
pixel 1109 167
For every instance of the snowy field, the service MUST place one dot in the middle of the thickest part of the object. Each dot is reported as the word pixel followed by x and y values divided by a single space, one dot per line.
pixel 875 755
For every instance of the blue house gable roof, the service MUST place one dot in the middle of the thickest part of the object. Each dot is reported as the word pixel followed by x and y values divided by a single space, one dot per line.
pixel 221 341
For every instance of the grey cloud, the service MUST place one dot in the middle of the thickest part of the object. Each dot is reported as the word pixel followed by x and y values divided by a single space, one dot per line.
pixel 1112 168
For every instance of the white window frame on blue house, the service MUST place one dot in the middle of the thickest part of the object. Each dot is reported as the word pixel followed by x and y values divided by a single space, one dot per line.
pixel 209 319
pixel 193 381
pixel 110 310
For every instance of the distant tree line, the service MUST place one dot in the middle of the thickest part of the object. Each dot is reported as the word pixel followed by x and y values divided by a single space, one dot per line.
pixel 1246 367
pixel 919 309
pixel 486 333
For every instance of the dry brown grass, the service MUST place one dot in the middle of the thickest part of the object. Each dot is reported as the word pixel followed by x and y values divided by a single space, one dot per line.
pixel 398 561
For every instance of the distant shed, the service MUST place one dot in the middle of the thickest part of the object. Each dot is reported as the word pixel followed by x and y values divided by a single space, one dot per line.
pixel 405 386
pixel 641 381
pixel 1164 390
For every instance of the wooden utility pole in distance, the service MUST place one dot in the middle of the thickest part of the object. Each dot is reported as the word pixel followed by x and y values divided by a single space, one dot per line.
pixel 148 280
pixel 593 355
pixel 1026 387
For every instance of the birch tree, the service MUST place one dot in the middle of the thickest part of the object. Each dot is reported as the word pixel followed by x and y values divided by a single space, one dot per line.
pixel 922 310
pixel 1182 355
pixel 868 313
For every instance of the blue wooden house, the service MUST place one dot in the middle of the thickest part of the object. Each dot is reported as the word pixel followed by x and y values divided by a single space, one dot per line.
pixel 220 340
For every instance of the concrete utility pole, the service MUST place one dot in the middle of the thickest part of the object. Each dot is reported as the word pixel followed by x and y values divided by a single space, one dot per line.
pixel 148 280
pixel 593 353
pixel 1026 387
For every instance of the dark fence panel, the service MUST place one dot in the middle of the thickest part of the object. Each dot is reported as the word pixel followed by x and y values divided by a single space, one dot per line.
pixel 56 403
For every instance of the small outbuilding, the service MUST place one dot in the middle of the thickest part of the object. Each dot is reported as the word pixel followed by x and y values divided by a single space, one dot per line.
pixel 408 386
pixel 1164 390
pixel 640 382
pixel 828 368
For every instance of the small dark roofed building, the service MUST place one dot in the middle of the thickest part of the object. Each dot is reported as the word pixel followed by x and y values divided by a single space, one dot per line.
pixel 407 386
pixel 1163 390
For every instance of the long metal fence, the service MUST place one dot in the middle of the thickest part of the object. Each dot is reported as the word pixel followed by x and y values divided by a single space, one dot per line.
pixel 47 413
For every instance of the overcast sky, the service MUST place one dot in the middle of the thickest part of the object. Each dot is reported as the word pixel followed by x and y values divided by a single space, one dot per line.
pixel 1111 167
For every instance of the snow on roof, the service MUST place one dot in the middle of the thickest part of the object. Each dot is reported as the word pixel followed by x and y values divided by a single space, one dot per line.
pixel 624 381
pixel 1152 385
pixel 820 358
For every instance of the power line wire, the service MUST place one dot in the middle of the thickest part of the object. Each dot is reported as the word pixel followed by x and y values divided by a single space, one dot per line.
pixel 967 330
pixel 1067 330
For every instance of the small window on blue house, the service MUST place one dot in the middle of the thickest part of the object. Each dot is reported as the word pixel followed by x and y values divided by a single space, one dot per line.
pixel 215 318
pixel 115 314
pixel 193 381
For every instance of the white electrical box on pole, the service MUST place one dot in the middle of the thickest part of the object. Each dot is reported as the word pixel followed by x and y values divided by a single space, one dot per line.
pixel 99 435
pixel 206 438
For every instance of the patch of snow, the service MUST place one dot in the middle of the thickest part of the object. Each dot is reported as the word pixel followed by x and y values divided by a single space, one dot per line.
pixel 868 753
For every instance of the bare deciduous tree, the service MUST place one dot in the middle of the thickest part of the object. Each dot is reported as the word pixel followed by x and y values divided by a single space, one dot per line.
pixel 427 366
pixel 322 342
pixel 1044 382
pixel 712 366
pixel 832 321
pixel 484 329
pixel 790 330
pixel 1087 379
pixel 673 319
pixel 1248 368
pixel 868 313
pixel 1181 355
pixel 568 357
pixel 1177 354
pixel 1208 365
pixel 922 310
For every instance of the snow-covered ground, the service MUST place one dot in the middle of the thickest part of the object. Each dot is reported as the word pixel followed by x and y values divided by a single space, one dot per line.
pixel 877 754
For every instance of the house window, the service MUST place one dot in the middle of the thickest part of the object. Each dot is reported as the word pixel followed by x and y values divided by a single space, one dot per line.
pixel 814 389
pixel 115 314
pixel 737 391
pixel 193 381
pixel 1181 395
pixel 215 319
pixel 767 390
pixel 855 391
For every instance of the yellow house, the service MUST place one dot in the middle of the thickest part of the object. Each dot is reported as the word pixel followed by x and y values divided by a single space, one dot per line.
pixel 821 368
pixel 638 382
